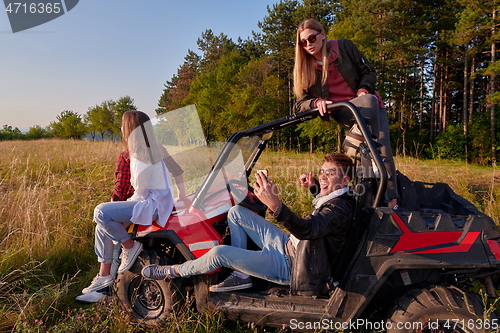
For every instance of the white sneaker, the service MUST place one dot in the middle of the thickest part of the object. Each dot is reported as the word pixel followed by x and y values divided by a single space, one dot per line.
pixel 129 256
pixel 92 297
pixel 98 283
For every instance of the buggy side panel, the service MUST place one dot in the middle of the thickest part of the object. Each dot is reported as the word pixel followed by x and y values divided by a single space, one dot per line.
pixel 446 234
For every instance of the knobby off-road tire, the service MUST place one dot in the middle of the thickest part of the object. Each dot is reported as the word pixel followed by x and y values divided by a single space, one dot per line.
pixel 149 301
pixel 441 309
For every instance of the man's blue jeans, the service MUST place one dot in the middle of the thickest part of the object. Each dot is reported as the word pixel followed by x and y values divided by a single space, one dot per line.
pixel 270 263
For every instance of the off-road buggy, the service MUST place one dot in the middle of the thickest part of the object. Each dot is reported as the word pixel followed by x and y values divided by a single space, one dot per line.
pixel 404 270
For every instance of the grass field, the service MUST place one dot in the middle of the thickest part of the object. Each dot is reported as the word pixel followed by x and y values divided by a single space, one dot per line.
pixel 48 190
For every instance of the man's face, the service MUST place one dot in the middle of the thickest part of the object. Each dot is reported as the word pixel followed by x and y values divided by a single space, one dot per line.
pixel 331 178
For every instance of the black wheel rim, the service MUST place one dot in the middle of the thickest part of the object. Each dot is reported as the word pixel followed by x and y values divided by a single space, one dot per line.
pixel 146 298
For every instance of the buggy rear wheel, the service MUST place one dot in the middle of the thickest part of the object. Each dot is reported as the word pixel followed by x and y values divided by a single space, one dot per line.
pixel 441 309
pixel 149 301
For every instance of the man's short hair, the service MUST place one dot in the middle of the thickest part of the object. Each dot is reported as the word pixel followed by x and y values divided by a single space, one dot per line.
pixel 342 161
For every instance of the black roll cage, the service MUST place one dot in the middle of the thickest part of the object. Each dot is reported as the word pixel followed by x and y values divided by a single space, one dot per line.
pixel 289 120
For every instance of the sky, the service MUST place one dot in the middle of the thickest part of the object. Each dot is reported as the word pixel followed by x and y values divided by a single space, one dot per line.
pixel 104 50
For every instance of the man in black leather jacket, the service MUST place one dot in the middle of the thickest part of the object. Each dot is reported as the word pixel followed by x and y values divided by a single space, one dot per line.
pixel 305 258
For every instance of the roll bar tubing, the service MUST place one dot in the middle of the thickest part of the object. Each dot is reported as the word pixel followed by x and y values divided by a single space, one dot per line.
pixel 287 121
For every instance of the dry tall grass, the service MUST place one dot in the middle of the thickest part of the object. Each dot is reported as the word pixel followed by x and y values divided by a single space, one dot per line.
pixel 49 188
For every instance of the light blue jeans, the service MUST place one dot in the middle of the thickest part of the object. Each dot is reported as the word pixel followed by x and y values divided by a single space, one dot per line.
pixel 112 220
pixel 270 263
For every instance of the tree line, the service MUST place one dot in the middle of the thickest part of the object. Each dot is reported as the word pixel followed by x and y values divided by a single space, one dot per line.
pixel 437 65
pixel 437 70
pixel 101 122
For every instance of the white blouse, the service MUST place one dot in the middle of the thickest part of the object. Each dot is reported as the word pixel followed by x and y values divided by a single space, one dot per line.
pixel 153 191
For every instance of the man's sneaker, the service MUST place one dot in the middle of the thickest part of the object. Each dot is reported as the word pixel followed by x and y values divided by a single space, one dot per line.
pixel 98 283
pixel 156 272
pixel 233 282
pixel 129 256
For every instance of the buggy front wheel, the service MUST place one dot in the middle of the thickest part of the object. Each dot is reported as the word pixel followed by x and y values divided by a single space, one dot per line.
pixel 149 301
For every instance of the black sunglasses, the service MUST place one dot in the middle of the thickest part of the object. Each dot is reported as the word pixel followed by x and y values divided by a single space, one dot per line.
pixel 311 39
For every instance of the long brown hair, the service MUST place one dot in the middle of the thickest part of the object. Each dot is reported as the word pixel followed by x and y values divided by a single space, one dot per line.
pixel 304 70
pixel 139 138
pixel 130 121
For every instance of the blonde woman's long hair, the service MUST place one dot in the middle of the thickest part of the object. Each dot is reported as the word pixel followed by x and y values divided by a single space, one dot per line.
pixel 304 70
pixel 139 138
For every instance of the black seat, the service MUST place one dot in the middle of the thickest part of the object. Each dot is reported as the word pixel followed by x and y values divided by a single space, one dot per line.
pixel 364 186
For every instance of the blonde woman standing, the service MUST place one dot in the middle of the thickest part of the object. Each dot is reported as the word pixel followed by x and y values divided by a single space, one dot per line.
pixel 331 71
